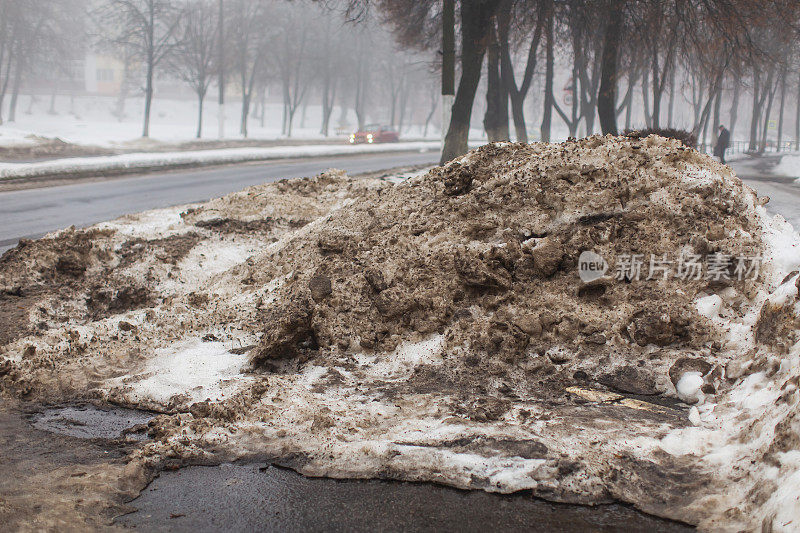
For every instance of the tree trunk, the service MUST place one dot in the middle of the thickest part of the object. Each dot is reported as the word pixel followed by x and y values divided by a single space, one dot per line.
pixel 655 119
pixel 607 95
pixel 200 98
pixel 734 113
pixel 303 115
pixel 716 121
pixel 430 115
pixel 713 87
pixel 495 121
pixel 6 79
pixel 289 122
pixel 262 97
pixel 475 19
pixel 12 106
pixel 517 95
pixel 518 114
pixel 148 98
pixel 767 114
pixel 245 113
pixel 151 65
pixel 627 103
pixel 547 113
pixel 797 121
pixel 671 111
pixel 782 108
pixel 51 110
pixel 328 100
pixel 756 114
pixel 648 117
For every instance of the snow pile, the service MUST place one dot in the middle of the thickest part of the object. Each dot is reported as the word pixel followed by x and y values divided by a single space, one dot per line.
pixel 789 165
pixel 439 330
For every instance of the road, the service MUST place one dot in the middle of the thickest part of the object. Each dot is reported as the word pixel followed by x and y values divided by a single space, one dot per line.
pixel 33 212
pixel 784 194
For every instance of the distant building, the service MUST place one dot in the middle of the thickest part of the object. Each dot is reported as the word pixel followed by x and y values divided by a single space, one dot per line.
pixel 102 74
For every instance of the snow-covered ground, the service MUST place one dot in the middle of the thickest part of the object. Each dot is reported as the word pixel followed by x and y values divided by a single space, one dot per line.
pixel 93 120
pixel 144 160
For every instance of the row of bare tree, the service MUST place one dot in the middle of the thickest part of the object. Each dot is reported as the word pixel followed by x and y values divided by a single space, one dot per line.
pixel 255 44
pixel 614 49
pixel 33 34
pixel 300 49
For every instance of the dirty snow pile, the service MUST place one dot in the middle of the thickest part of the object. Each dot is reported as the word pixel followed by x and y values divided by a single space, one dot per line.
pixel 438 329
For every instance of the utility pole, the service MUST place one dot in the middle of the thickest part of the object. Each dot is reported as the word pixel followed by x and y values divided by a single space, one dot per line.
pixel 448 62
pixel 221 81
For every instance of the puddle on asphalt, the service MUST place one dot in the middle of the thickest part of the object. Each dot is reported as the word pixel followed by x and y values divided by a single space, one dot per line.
pixel 252 498
pixel 89 422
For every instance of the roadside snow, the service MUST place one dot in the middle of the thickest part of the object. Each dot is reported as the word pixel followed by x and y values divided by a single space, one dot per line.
pixel 143 160
pixel 788 166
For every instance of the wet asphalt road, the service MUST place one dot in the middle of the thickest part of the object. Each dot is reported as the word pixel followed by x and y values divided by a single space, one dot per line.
pixel 784 194
pixel 267 498
pixel 33 212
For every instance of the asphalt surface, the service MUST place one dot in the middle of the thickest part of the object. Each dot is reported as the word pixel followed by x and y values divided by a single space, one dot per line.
pixel 266 498
pixel 784 194
pixel 33 212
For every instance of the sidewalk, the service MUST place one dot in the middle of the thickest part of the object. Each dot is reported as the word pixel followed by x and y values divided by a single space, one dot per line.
pixel 147 161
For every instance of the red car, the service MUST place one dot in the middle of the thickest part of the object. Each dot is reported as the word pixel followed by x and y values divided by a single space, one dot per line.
pixel 374 133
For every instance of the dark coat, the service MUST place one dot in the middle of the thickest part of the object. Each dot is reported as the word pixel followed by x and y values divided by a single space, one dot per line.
pixel 723 141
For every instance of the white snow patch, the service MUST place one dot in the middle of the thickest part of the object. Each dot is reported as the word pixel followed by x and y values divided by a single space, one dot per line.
pixel 154 224
pixel 782 247
pixel 785 292
pixel 200 370
pixel 688 387
pixel 709 306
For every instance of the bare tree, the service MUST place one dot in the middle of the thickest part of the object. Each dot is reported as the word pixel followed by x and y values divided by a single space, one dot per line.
pixel 253 21
pixel 150 28
pixel 292 52
pixel 194 58
pixel 506 12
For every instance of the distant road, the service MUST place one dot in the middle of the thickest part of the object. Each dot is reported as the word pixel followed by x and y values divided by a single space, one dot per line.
pixel 33 212
pixel 784 195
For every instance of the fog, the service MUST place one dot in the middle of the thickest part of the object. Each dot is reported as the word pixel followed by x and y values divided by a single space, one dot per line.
pixel 159 68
